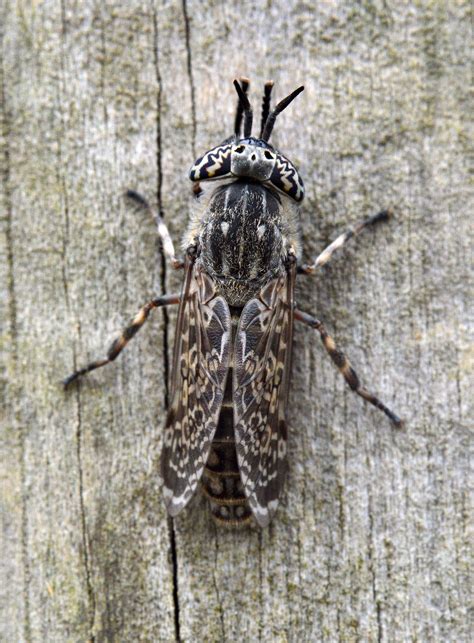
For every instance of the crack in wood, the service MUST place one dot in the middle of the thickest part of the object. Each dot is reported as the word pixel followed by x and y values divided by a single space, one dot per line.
pixel 216 587
pixel 82 510
pixel 166 365
pixel 85 544
pixel 190 73
pixel 5 165
pixel 174 561
pixel 5 173
pixel 371 556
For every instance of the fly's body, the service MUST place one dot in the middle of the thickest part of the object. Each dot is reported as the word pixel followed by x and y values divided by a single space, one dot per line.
pixel 226 428
pixel 243 228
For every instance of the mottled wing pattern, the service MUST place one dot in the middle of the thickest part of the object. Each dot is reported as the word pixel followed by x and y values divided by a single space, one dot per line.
pixel 201 362
pixel 262 364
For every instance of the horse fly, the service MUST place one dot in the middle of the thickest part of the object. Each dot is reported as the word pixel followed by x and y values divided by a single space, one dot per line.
pixel 226 426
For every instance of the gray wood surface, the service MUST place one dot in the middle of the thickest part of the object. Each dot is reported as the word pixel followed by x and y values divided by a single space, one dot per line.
pixel 371 541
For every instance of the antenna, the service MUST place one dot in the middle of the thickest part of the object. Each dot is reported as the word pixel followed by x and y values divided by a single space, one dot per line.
pixel 246 107
pixel 245 82
pixel 270 122
pixel 267 91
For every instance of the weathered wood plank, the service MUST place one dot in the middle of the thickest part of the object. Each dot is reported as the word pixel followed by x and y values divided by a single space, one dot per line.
pixel 371 539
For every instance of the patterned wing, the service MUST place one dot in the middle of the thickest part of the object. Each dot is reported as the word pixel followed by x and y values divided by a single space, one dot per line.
pixel 260 388
pixel 200 366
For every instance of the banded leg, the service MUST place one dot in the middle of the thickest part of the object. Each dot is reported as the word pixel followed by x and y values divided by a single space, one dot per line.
pixel 163 231
pixel 353 231
pixel 127 334
pixel 344 366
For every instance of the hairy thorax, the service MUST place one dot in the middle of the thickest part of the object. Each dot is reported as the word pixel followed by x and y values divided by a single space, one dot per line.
pixel 244 235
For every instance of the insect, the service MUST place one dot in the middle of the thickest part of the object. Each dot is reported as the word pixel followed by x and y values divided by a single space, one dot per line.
pixel 226 428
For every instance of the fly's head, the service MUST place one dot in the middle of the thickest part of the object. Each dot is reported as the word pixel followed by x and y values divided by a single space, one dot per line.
pixel 253 158
pixel 250 158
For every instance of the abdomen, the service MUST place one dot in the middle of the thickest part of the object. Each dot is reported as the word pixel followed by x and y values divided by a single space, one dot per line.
pixel 220 481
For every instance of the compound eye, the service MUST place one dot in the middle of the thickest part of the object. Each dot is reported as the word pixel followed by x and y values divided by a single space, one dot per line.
pixel 213 164
pixel 269 155
pixel 286 178
pixel 239 149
